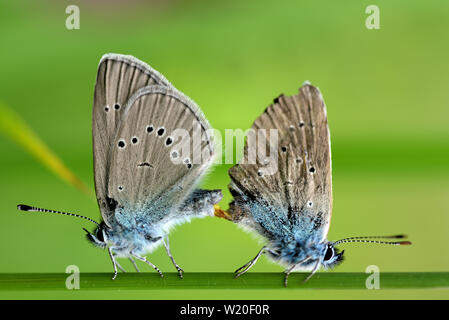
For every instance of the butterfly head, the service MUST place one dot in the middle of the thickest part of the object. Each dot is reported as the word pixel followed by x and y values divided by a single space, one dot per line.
pixel 98 237
pixel 331 256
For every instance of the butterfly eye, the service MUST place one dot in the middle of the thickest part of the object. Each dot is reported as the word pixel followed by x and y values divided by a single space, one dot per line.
pixel 329 253
pixel 99 235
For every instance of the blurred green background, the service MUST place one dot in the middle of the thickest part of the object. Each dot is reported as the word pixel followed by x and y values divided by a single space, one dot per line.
pixel 386 92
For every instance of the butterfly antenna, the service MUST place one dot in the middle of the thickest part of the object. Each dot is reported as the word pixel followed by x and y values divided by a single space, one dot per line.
pixel 27 208
pixel 368 239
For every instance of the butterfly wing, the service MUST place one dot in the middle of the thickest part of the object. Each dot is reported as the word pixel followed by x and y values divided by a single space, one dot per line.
pixel 299 193
pixel 118 78
pixel 160 151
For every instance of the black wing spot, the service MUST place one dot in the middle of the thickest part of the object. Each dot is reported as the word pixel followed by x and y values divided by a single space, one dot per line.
pixel 160 131
pixel 284 149
pixel 145 164
pixel 117 106
pixel 150 128
pixel 312 170
pixel 134 140
pixel 169 141
pixel 106 108
pixel 121 144
pixel 301 124
pixel 120 188
pixel 259 173
pixel 189 166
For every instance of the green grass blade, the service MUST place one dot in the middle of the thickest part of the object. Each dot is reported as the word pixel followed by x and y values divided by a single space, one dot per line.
pixel 14 127
pixel 152 281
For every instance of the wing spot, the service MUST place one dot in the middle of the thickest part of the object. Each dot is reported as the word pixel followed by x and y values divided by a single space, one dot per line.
pixel 160 131
pixel 292 128
pixel 106 108
pixel 116 106
pixel 312 170
pixel 169 141
pixel 284 149
pixel 120 188
pixel 310 204
pixel 122 144
pixel 174 154
pixel 260 173
pixel 134 140
pixel 301 124
pixel 150 128
pixel 299 160
pixel 188 163
pixel 145 164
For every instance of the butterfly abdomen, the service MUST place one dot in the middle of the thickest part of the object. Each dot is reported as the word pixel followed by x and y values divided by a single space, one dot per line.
pixel 201 203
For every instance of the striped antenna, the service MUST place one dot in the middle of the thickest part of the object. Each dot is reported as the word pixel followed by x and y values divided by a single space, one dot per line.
pixel 27 208
pixel 368 239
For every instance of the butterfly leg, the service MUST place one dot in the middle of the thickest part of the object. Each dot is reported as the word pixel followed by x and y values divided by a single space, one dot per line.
pixel 248 266
pixel 119 266
pixel 289 270
pixel 147 262
pixel 134 263
pixel 167 248
pixel 114 263
pixel 287 273
pixel 313 271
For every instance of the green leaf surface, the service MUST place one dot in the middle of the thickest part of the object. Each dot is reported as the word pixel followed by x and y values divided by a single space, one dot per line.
pixel 150 281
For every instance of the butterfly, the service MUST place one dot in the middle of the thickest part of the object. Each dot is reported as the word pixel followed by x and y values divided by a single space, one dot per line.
pixel 151 146
pixel 286 197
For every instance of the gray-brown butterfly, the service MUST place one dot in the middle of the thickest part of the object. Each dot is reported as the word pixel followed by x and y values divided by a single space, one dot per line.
pixel 287 199
pixel 147 162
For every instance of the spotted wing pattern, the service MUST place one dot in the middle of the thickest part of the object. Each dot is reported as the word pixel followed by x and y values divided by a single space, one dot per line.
pixel 160 152
pixel 299 192
pixel 118 78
